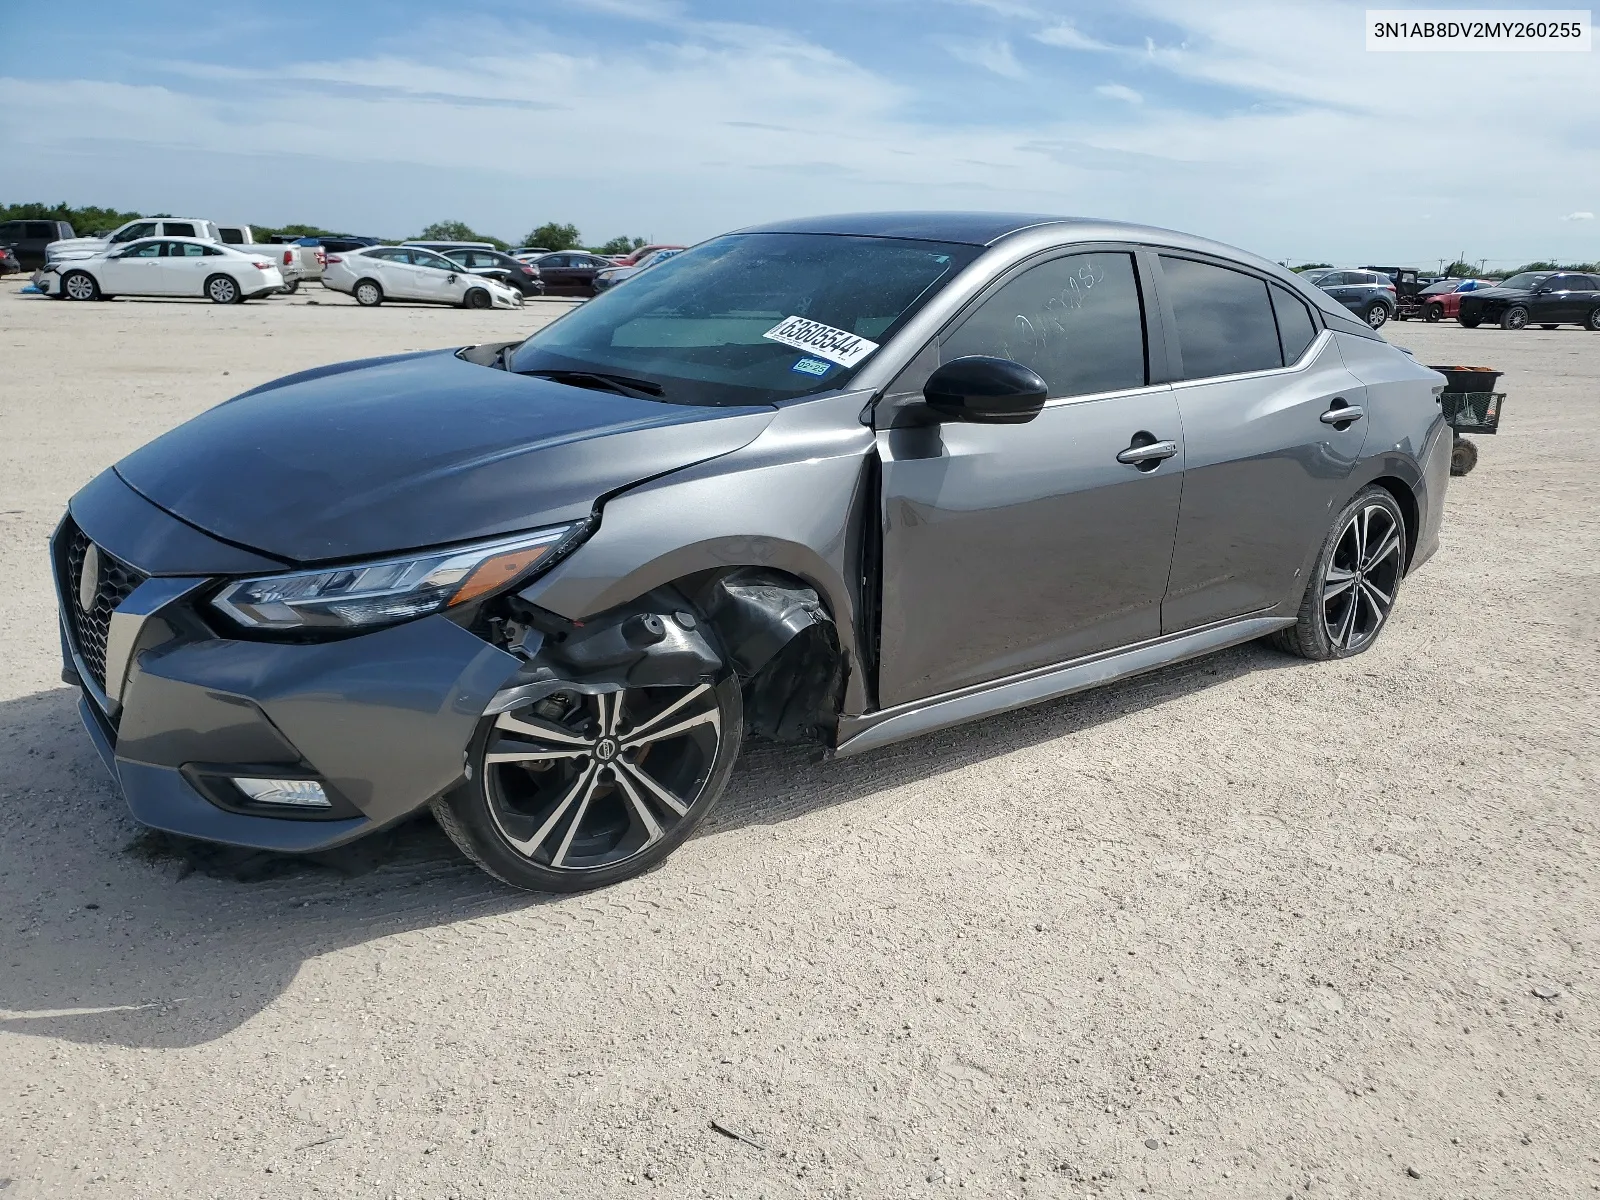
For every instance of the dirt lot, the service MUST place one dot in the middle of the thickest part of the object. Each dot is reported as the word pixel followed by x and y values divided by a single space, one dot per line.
pixel 1251 927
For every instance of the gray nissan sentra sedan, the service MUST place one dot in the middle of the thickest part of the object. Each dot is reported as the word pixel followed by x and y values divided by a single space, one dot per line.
pixel 843 480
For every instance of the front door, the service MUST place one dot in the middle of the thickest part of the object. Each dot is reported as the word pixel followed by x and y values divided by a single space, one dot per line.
pixel 1266 459
pixel 1567 301
pixel 135 271
pixel 1007 547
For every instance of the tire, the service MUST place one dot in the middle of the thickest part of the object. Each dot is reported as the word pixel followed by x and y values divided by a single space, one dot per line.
pixel 1470 322
pixel 79 285
pixel 1433 312
pixel 1375 314
pixel 290 289
pixel 1515 317
pixel 1355 583
pixel 477 298
pixel 367 293
pixel 223 289
pixel 1463 456
pixel 621 825
pixel 1593 323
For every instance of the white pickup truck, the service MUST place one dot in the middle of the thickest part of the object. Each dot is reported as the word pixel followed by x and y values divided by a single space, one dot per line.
pixel 286 258
pixel 295 261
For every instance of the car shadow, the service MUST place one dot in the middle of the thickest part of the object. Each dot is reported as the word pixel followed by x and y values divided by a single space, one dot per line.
pixel 118 935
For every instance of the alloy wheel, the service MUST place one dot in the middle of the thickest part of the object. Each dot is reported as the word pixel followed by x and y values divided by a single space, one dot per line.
pixel 1594 320
pixel 223 290
pixel 586 782
pixel 1515 318
pixel 1363 575
pixel 1377 315
pixel 79 286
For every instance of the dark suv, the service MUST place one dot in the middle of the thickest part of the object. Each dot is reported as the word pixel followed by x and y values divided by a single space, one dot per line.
pixel 1542 298
pixel 29 238
pixel 1369 293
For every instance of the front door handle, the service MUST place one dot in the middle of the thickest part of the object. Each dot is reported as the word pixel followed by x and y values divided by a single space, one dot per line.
pixel 1149 452
pixel 1343 415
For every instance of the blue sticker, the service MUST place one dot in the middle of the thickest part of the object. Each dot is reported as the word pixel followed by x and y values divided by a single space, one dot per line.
pixel 812 366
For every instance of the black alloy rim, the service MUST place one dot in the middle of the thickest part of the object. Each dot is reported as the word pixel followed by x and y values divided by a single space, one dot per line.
pixel 1358 589
pixel 583 783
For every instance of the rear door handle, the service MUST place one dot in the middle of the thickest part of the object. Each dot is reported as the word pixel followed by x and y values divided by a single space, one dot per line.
pixel 1343 414
pixel 1149 452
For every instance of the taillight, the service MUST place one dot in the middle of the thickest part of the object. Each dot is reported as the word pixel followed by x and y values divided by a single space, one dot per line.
pixel 322 257
pixel 261 266
pixel 288 257
pixel 330 259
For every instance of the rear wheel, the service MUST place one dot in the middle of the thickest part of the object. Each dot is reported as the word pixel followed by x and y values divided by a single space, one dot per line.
pixel 1514 317
pixel 367 293
pixel 80 285
pixel 1593 323
pixel 579 791
pixel 477 298
pixel 223 289
pixel 1433 312
pixel 1357 577
pixel 1376 314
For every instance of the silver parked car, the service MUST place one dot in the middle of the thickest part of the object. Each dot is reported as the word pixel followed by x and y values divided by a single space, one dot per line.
pixel 846 480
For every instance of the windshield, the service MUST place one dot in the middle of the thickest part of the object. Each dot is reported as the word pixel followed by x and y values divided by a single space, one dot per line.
pixel 750 318
pixel 1527 281
pixel 1440 288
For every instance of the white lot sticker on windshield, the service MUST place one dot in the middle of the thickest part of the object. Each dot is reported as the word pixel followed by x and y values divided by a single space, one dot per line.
pixel 824 341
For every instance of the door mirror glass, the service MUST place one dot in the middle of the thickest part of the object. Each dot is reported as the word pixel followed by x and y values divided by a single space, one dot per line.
pixel 984 390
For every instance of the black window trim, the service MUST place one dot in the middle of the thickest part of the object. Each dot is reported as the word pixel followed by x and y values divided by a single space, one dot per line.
pixel 1175 355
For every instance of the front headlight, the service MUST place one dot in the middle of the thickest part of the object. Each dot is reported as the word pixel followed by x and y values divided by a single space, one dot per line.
pixel 365 595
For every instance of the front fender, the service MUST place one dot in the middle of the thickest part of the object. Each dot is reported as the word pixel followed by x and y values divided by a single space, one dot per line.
pixel 793 500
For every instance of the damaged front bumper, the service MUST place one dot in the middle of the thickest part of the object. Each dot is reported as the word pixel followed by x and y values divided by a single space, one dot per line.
pixel 178 712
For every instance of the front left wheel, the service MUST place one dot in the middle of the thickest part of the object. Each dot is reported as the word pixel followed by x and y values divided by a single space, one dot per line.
pixel 578 791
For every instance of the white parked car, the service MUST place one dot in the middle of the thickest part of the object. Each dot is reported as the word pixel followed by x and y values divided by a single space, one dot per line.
pixel 164 267
pixel 378 273
pixel 143 227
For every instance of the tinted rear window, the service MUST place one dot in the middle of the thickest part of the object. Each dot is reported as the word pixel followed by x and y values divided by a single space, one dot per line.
pixel 1296 330
pixel 1224 318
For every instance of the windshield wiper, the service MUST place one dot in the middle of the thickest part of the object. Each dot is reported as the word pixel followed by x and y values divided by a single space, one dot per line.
pixel 623 385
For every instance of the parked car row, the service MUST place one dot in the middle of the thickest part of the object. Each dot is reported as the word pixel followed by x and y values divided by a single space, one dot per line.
pixel 148 257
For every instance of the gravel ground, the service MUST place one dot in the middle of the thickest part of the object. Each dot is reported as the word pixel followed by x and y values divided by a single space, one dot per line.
pixel 1250 927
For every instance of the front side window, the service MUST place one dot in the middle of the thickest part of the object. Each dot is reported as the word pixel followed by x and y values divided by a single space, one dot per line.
pixel 142 250
pixel 1527 281
pixel 41 229
pixel 134 232
pixel 697 327
pixel 1224 319
pixel 1296 330
pixel 1076 321
pixel 427 258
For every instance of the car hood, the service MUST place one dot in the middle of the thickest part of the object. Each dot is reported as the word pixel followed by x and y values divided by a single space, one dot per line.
pixel 85 247
pixel 389 454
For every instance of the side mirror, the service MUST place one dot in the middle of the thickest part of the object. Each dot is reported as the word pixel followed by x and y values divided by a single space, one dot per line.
pixel 986 391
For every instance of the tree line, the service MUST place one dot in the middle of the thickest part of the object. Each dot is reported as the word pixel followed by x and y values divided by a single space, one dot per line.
pixel 553 235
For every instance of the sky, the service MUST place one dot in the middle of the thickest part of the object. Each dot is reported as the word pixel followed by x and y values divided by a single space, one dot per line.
pixel 1265 125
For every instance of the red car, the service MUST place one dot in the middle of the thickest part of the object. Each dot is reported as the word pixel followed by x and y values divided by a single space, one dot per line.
pixel 1443 299
pixel 628 260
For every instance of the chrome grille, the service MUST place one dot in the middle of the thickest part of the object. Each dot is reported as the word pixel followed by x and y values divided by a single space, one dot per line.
pixel 88 626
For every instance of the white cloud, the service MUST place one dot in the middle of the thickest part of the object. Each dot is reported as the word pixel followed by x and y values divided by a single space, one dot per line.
pixel 992 55
pixel 1578 216
pixel 1117 91
pixel 1067 36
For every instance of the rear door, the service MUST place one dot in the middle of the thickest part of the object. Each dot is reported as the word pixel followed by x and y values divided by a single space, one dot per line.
pixel 1258 384
pixel 559 275
pixel 1007 547
pixel 1560 300
pixel 186 267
